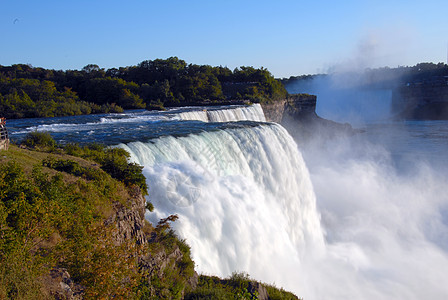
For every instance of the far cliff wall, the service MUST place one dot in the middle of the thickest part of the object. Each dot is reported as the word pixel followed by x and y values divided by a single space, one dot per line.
pixel 421 102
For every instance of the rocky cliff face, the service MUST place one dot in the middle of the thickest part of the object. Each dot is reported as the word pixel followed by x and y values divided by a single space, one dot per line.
pixel 421 102
pixel 129 219
pixel 295 106
pixel 298 115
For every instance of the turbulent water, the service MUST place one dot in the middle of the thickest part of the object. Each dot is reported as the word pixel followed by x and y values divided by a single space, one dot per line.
pixel 136 125
pixel 361 217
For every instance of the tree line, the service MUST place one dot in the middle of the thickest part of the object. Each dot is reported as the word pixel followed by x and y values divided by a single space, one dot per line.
pixel 27 91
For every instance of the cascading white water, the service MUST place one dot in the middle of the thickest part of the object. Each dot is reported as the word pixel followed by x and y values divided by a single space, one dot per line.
pixel 252 112
pixel 196 115
pixel 243 196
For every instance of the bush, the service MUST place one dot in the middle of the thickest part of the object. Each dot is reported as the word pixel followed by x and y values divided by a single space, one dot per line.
pixel 72 167
pixel 62 165
pixel 73 149
pixel 212 287
pixel 114 162
pixel 38 139
pixel 129 173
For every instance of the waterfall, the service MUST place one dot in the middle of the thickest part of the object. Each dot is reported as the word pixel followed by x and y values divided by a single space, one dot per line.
pixel 252 112
pixel 243 196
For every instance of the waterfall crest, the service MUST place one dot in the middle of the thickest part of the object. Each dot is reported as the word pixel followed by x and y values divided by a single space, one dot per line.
pixel 252 112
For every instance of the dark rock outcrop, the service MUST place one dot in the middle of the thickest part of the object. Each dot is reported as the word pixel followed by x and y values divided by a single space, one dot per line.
pixel 274 111
pixel 256 288
pixel 59 285
pixel 129 219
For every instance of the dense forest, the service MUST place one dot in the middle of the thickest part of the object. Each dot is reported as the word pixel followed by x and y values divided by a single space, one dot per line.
pixel 27 91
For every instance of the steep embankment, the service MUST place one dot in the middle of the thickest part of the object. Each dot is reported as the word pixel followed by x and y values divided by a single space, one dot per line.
pixel 69 230
pixel 72 226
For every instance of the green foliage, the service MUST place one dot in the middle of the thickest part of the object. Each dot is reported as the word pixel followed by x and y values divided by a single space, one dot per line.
pixel 149 206
pixel 35 92
pixel 175 274
pixel 279 293
pixel 38 139
pixel 118 167
pixel 23 97
pixel 74 168
pixel 113 90
pixel 259 85
pixel 211 287
pixel 234 287
pixel 62 165
pixel 114 162
pixel 46 221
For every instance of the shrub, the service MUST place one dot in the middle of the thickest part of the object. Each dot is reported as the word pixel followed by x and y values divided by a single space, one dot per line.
pixel 63 165
pixel 129 173
pixel 38 139
pixel 114 162
pixel 73 149
pixel 72 167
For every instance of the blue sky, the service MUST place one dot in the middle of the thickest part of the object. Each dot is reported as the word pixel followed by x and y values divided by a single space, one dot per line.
pixel 287 37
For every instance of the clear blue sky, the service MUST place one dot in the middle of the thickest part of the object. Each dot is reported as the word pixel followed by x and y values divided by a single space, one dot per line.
pixel 287 37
